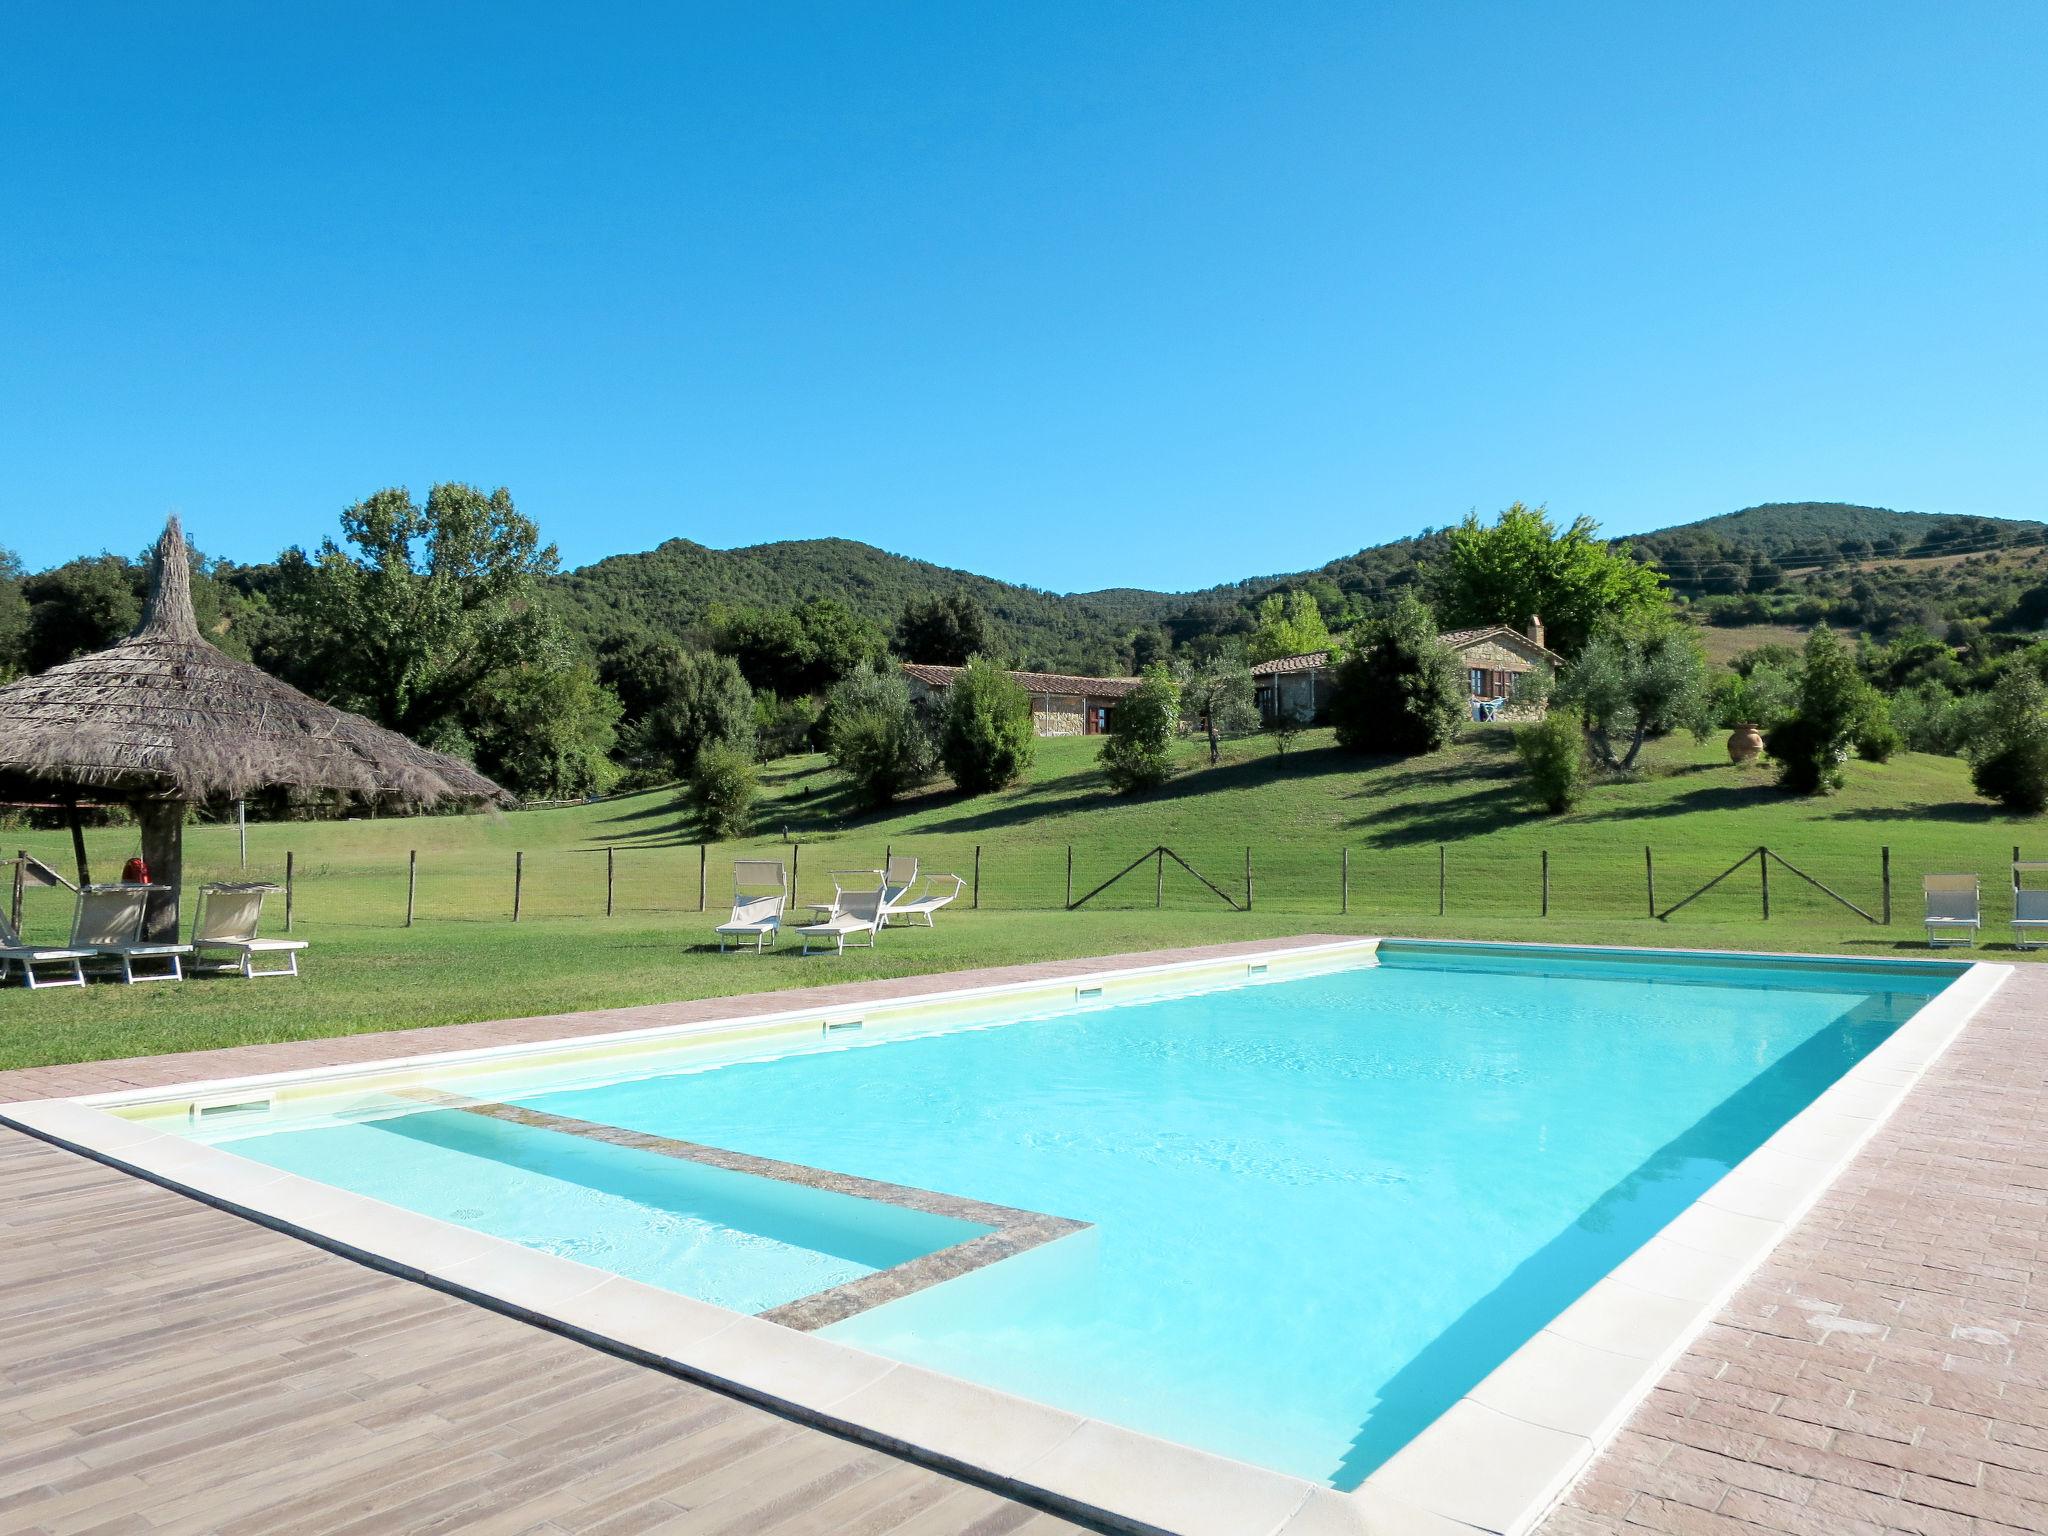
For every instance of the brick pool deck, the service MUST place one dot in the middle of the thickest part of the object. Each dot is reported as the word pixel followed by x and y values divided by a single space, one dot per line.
pixel 172 1368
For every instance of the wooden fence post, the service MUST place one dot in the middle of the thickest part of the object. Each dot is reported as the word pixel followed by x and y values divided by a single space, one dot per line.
pixel 1070 876
pixel 412 883
pixel 611 878
pixel 1763 870
pixel 1439 879
pixel 703 873
pixel 518 881
pixel 287 890
pixel 975 905
pixel 1344 886
pixel 1159 877
pixel 1650 879
pixel 1247 877
pixel 20 888
pixel 796 862
pixel 1546 882
pixel 1885 867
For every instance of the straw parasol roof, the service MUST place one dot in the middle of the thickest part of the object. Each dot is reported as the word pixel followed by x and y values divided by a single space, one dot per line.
pixel 167 716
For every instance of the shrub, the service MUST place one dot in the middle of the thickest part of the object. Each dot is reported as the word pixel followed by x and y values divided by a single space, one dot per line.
pixel 1764 696
pixel 1399 690
pixel 877 736
pixel 1553 753
pixel 723 783
pixel 1877 738
pixel 985 737
pixel 2008 747
pixel 1812 744
pixel 1138 753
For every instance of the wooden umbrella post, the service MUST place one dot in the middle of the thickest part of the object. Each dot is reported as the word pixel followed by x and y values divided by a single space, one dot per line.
pixel 78 845
pixel 162 823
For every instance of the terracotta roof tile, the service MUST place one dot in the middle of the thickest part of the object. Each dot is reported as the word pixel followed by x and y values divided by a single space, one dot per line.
pixel 935 676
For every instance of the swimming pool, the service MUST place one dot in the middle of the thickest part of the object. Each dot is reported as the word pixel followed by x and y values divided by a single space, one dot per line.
pixel 1292 1212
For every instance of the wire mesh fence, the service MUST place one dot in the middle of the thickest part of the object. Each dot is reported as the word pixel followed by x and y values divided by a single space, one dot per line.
pixel 1476 879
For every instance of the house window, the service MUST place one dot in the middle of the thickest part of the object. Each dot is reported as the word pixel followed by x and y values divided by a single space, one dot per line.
pixel 1478 677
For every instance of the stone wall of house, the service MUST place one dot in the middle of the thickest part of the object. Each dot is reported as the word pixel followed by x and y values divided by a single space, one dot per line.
pixel 1058 714
pixel 1497 656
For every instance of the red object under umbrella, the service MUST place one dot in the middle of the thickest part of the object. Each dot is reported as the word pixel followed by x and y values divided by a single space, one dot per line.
pixel 135 872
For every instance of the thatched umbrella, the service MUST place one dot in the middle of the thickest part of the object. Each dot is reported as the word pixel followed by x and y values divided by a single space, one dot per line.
pixel 165 719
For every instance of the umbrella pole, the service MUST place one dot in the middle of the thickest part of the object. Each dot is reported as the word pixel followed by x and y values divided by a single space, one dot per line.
pixel 78 846
pixel 163 850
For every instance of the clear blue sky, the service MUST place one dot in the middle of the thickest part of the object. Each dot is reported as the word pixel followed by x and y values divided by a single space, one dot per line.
pixel 1075 294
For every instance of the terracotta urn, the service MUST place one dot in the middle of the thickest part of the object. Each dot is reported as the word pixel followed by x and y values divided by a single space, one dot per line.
pixel 1744 743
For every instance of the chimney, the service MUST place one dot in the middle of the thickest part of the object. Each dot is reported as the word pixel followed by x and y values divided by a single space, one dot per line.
pixel 1536 629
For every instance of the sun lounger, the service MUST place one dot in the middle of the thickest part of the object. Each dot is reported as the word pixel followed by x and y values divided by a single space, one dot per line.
pixel 2029 908
pixel 226 925
pixel 845 882
pixel 69 964
pixel 109 924
pixel 760 890
pixel 1952 916
pixel 939 891
pixel 898 876
pixel 860 912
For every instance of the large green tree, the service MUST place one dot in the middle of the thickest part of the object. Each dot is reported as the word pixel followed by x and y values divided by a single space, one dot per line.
pixel 1523 567
pixel 947 631
pixel 802 649
pixel 547 729
pixel 1398 690
pixel 1288 625
pixel 13 616
pixel 406 616
pixel 79 607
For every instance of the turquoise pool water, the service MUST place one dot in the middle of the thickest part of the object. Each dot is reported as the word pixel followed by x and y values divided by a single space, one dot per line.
pixel 1322 1208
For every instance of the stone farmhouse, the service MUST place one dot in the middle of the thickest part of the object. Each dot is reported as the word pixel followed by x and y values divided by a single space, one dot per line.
pixel 1493 657
pixel 1060 705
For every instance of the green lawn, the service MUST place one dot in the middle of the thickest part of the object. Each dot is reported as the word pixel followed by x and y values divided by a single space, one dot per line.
pixel 464 959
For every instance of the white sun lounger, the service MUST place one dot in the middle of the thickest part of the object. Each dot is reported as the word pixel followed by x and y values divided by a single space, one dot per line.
pixel 226 925
pixel 939 891
pixel 68 963
pixel 859 912
pixel 2029 908
pixel 899 874
pixel 760 890
pixel 1952 915
pixel 109 924
pixel 845 883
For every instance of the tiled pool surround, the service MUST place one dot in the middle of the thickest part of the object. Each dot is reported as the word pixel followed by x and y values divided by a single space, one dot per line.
pixel 1494 1462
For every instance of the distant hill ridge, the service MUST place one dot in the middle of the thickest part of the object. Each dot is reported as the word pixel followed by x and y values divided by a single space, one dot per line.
pixel 671 589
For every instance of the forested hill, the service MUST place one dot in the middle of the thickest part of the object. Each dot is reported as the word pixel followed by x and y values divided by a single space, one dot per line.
pixel 1800 535
pixel 675 588
pixel 1761 564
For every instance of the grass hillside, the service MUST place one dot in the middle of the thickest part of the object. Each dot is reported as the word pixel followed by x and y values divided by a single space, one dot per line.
pixel 465 959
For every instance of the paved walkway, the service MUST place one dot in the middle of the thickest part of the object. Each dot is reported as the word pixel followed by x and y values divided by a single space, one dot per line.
pixel 169 1368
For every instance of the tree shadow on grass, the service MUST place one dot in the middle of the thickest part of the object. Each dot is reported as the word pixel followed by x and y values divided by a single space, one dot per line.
pixel 1087 790
pixel 1948 810
pixel 1489 799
